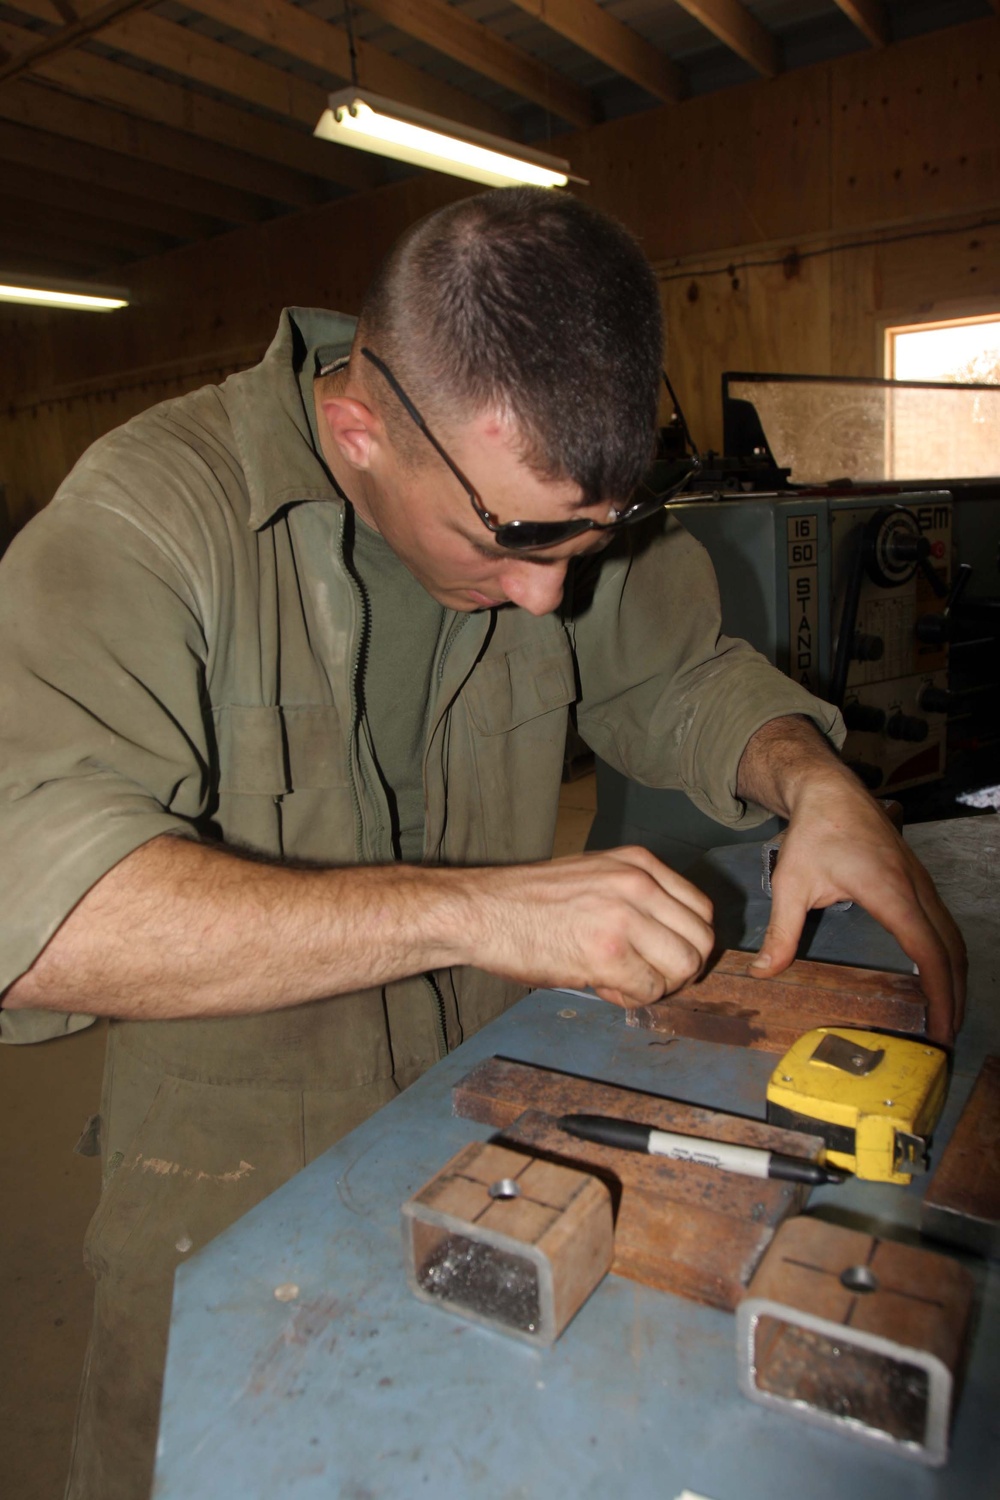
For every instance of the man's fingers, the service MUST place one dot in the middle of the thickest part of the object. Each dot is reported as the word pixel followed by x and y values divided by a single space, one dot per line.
pixel 668 880
pixel 918 933
pixel 946 928
pixel 784 931
pixel 618 921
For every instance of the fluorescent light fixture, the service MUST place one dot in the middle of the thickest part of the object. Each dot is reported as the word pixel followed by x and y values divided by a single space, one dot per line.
pixel 43 292
pixel 370 122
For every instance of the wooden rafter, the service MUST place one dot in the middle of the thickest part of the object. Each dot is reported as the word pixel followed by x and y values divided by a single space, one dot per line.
pixel 595 31
pixel 149 99
pixel 30 182
pixel 22 216
pixel 43 249
pixel 35 104
pixel 456 35
pixel 189 201
pixel 739 30
pixel 870 17
pixel 286 162
pixel 281 24
pixel 78 30
pixel 295 31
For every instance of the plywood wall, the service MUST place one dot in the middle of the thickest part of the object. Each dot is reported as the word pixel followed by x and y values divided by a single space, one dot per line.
pixel 818 306
pixel 788 220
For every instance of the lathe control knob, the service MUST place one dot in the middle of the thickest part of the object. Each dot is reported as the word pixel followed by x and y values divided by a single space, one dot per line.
pixel 869 776
pixel 895 547
pixel 864 716
pixel 907 727
pixel 907 547
pixel 867 647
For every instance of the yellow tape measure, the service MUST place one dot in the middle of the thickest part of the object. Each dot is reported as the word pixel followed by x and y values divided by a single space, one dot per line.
pixel 875 1099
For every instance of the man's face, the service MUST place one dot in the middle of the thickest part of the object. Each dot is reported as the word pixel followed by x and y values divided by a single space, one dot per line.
pixel 426 517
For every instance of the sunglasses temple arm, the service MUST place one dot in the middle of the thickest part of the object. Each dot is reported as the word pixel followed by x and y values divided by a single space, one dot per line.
pixel 415 415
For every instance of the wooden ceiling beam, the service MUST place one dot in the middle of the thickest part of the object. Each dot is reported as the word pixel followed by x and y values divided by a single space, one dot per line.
pixel 29 181
pixel 22 215
pixel 36 104
pixel 871 19
pixel 39 246
pixel 739 30
pixel 189 201
pixel 280 24
pixel 16 261
pixel 584 23
pixel 78 29
pixel 466 41
pixel 283 160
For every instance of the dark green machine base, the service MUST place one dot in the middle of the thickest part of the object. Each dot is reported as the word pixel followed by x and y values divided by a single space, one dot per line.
pixel 665 822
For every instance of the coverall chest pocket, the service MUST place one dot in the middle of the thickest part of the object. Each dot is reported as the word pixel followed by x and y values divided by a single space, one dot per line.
pixel 517 713
pixel 284 782
pixel 271 751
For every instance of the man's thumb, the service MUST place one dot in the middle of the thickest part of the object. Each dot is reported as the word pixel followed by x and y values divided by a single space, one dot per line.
pixel 780 945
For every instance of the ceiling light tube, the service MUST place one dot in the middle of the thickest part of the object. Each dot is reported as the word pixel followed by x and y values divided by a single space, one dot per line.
pixel 43 292
pixel 369 122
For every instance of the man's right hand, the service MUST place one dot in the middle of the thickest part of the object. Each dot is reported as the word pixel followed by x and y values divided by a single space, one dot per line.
pixel 619 921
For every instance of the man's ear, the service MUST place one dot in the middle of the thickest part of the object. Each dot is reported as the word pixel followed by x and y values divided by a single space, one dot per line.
pixel 353 428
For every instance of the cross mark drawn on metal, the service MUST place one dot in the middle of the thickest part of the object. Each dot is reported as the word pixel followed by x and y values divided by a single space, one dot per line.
pixel 859 1334
pixel 506 1187
pixel 853 1281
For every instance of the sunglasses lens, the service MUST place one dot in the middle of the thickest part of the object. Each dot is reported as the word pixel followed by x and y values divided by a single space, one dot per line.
pixel 521 536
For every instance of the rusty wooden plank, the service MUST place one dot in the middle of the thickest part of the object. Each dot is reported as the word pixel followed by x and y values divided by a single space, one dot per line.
pixel 498 1090
pixel 682 1228
pixel 729 1004
pixel 962 1202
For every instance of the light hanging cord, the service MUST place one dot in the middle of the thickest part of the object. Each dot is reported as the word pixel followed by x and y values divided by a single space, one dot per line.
pixel 349 23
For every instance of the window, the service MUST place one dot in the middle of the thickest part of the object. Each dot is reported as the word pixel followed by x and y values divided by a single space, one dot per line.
pixel 943 434
pixel 963 350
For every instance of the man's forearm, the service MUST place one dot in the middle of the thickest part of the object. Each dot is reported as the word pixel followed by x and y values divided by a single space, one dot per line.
pixel 782 758
pixel 180 929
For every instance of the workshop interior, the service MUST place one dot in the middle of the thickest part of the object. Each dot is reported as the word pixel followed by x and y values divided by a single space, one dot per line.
pixel 743 1242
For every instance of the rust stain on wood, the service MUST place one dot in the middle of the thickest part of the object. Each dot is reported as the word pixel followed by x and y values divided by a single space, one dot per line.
pixel 731 1005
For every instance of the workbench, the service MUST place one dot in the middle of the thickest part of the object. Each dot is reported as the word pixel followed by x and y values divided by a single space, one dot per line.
pixel 353 1388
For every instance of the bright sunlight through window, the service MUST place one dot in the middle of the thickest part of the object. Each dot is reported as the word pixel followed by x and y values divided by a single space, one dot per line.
pixel 966 351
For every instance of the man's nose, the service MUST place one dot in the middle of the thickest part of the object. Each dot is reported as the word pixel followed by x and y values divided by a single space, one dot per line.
pixel 536 587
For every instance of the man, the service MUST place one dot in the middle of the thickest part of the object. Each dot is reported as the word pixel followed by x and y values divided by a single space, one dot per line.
pixel 283 759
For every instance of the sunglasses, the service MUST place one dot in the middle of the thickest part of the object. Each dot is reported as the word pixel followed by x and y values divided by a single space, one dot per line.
pixel 525 536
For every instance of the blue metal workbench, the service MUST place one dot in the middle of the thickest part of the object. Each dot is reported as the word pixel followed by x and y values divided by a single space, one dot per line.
pixel 354 1389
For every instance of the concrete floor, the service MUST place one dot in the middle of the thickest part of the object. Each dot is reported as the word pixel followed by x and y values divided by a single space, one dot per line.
pixel 47 1094
pixel 47 1195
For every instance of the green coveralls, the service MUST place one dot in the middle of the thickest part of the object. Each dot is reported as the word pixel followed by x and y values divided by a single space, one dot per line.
pixel 179 642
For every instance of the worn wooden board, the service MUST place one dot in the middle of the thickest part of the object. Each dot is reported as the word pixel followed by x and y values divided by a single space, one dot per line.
pixel 682 1228
pixel 962 1202
pixel 730 1005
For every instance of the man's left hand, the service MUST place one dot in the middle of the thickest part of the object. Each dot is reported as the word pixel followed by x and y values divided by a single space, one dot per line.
pixel 840 846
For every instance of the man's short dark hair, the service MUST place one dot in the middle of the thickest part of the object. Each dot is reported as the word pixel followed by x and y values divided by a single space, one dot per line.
pixel 529 303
